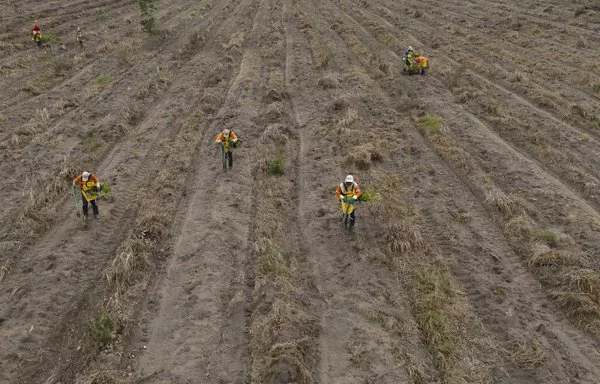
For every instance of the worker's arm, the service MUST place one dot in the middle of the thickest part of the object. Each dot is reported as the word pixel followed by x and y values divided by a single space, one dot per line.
pixel 338 192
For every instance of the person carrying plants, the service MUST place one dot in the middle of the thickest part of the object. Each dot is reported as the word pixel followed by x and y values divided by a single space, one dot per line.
pixel 227 140
pixel 348 193
pixel 89 186
pixel 79 37
pixel 421 62
pixel 36 35
pixel 407 56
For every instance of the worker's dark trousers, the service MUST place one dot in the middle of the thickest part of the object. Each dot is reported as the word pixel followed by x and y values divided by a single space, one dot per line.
pixel 85 206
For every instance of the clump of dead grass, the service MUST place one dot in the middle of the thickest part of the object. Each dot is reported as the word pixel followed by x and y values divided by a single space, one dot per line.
pixel 101 377
pixel 4 269
pixel 131 259
pixel 157 81
pixel 448 149
pixel 350 121
pixel 270 267
pixel 38 123
pixel 363 156
pixel 131 114
pixel 520 227
pixel 527 355
pixel 280 332
pixel 328 81
pixel 545 257
pixel 60 65
pixel 507 204
pixel 339 104
pixel 582 308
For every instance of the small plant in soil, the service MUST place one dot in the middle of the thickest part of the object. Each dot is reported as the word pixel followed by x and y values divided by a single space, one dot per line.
pixel 276 166
pixel 369 195
pixel 547 236
pixel 124 54
pixel 104 80
pixel 91 144
pixel 147 10
pixel 102 15
pixel 104 329
pixel 430 124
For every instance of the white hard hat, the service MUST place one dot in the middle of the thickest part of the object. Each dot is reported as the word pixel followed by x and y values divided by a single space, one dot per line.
pixel 226 132
pixel 410 48
pixel 85 176
pixel 349 179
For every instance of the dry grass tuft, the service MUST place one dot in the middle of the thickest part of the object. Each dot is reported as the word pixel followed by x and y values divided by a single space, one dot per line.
pixel 585 281
pixel 157 81
pixel 279 361
pixel 328 82
pixel 130 116
pixel 551 258
pixel 349 121
pixel 38 123
pixel 508 205
pixel 402 237
pixel 153 226
pixel 339 104
pixel 527 355
pixel 357 353
pixel 270 266
pixel 60 65
pixel 447 148
pixel 131 258
pixel 4 269
pixel 520 227
pixel 363 156
pixel 102 377
pixel 579 306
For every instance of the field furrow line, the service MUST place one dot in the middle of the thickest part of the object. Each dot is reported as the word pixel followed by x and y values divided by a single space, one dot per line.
pixel 211 339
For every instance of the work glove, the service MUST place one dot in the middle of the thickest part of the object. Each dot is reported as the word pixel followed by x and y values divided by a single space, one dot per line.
pixel 345 199
pixel 222 144
pixel 353 200
pixel 98 189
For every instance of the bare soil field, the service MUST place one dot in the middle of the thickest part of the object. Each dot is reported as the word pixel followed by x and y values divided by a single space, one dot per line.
pixel 476 256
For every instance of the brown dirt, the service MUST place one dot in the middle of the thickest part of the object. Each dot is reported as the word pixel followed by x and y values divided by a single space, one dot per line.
pixel 475 263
